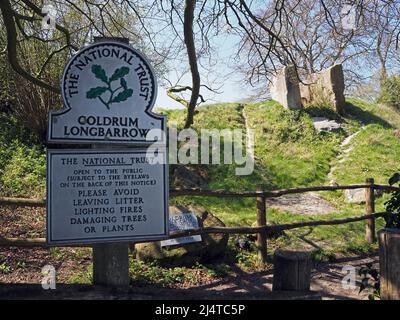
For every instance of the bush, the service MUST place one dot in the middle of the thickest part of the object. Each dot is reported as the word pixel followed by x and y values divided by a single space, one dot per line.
pixel 22 160
pixel 10 131
pixel 390 92
pixel 25 172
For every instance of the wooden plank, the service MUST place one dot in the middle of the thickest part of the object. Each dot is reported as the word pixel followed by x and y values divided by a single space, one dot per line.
pixel 23 202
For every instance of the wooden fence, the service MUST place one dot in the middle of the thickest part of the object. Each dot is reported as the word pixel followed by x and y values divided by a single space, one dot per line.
pixel 262 229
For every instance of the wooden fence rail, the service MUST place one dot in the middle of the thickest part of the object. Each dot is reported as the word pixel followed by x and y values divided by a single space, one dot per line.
pixel 262 229
pixel 219 193
pixel 268 230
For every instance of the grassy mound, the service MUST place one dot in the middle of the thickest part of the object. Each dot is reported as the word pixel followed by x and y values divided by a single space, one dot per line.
pixel 289 152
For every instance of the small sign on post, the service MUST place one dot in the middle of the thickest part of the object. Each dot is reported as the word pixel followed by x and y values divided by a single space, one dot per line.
pixel 182 221
pixel 113 194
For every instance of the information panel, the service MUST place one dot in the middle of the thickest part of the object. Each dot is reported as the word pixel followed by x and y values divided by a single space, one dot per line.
pixel 182 221
pixel 106 196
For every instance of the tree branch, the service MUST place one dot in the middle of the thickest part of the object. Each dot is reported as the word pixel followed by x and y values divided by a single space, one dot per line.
pixel 8 18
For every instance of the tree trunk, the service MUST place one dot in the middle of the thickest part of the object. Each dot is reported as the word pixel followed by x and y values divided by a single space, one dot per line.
pixel 191 51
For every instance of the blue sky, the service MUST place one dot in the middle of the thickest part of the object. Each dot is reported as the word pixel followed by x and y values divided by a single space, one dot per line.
pixel 221 76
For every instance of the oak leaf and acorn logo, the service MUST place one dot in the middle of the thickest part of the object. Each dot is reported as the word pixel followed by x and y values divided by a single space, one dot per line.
pixel 119 94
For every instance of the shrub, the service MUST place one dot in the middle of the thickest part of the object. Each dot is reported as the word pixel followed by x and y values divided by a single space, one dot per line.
pixel 22 160
pixel 31 106
pixel 24 173
pixel 10 132
pixel 390 92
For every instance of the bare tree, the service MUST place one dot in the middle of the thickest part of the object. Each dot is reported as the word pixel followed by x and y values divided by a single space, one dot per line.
pixel 308 34
pixel 381 20
pixel 189 21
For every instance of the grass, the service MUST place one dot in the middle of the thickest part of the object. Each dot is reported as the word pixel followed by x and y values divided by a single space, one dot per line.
pixel 288 152
pixel 142 274
pixel 288 149
pixel 5 269
pixel 85 277
pixel 375 154
pixel 150 273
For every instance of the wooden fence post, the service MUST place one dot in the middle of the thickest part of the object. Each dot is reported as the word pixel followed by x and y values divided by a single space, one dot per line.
pixel 370 208
pixel 261 221
pixel 292 270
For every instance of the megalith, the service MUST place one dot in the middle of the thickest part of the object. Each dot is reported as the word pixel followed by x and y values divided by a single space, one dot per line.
pixel 285 88
pixel 326 86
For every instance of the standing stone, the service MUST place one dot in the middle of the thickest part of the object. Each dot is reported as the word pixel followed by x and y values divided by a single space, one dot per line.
pixel 308 89
pixel 326 85
pixel 333 79
pixel 285 88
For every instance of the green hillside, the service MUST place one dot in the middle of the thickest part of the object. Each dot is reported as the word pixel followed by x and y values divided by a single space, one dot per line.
pixel 289 152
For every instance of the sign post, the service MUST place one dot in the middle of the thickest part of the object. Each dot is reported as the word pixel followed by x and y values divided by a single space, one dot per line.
pixel 112 194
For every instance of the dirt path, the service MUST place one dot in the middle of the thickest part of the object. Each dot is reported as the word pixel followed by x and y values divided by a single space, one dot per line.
pixel 326 284
pixel 307 203
pixel 346 149
pixel 313 203
pixel 249 136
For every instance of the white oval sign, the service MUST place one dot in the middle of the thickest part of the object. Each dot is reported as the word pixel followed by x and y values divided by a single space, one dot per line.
pixel 109 90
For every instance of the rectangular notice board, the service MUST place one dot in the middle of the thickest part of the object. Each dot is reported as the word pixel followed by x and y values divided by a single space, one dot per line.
pixel 98 196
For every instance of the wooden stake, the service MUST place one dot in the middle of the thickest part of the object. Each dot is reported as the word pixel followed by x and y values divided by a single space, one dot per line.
pixel 370 208
pixel 389 261
pixel 261 221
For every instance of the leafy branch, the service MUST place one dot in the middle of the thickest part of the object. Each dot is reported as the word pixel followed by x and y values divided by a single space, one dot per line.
pixel 370 281
pixel 392 217
pixel 120 96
